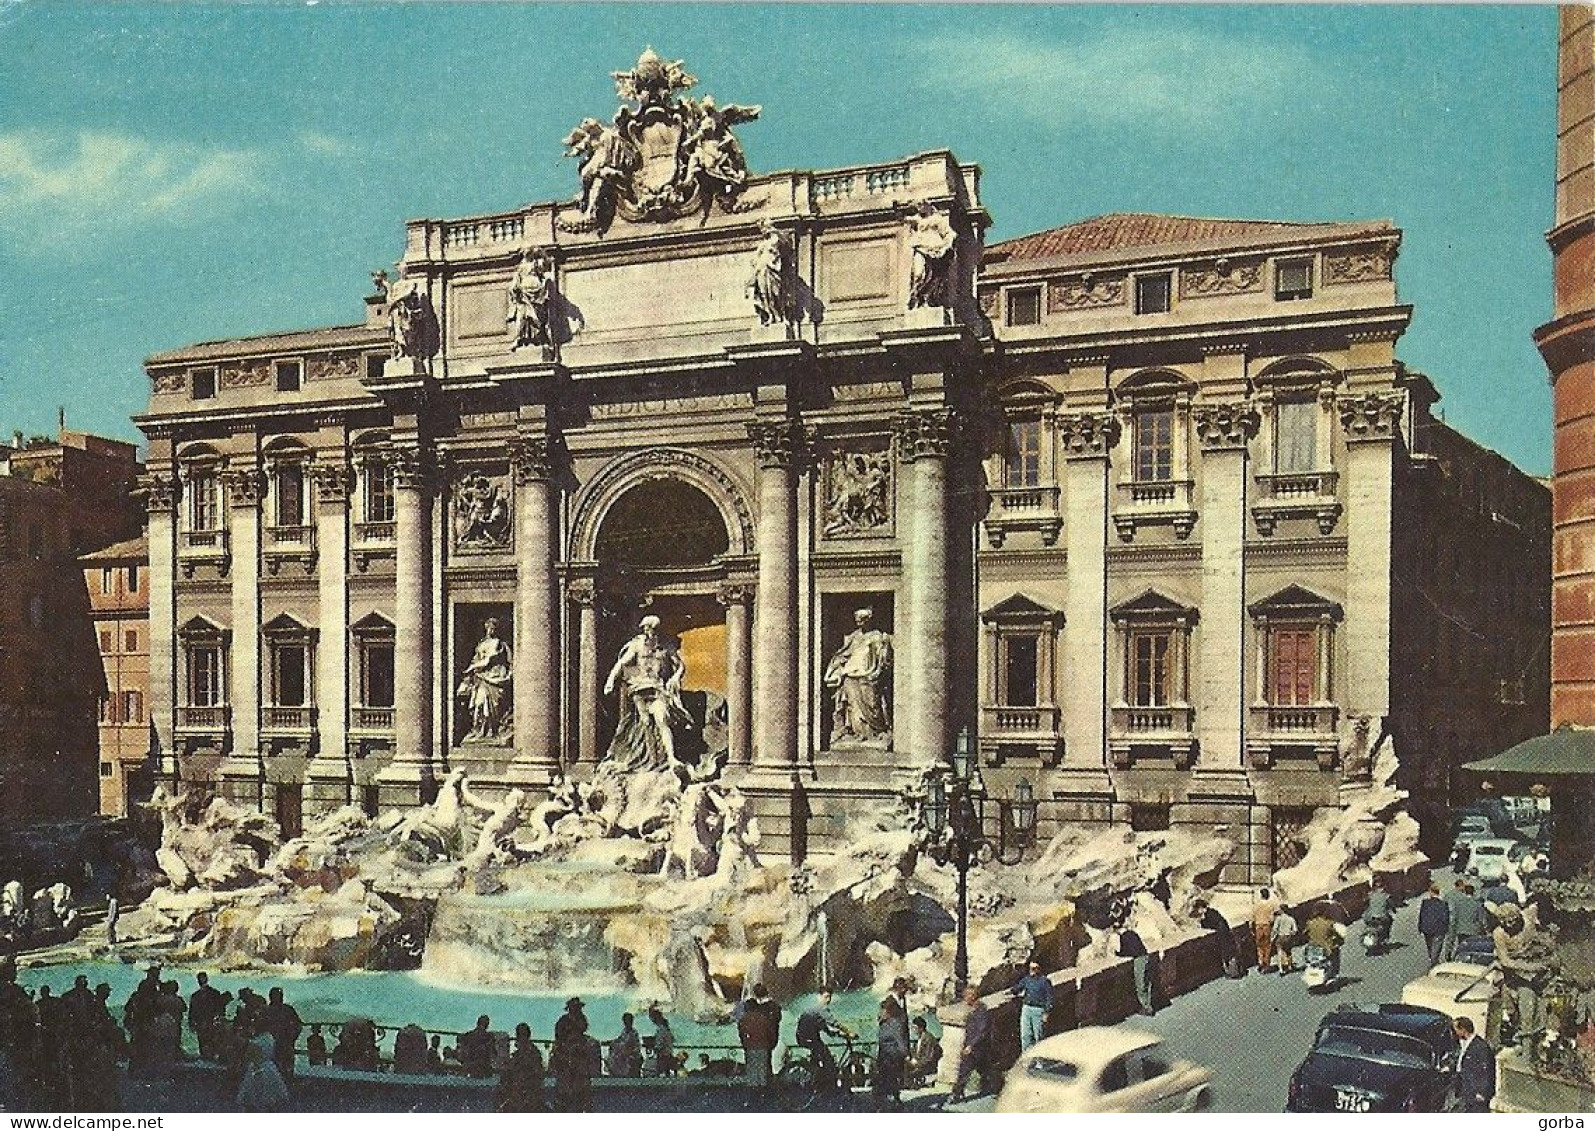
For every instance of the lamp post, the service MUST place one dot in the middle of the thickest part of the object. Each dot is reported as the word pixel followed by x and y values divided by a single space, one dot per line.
pixel 955 816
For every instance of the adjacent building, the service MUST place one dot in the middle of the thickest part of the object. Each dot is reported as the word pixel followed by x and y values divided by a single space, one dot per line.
pixel 58 499
pixel 1147 505
pixel 117 581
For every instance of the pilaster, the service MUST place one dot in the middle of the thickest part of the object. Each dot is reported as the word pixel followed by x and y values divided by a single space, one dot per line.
pixel 1087 440
pixel 160 499
pixel 328 775
pixel 1371 423
pixel 243 770
pixel 412 622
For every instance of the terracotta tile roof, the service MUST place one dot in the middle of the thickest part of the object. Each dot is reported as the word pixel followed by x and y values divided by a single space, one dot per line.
pixel 134 548
pixel 1120 230
pixel 329 337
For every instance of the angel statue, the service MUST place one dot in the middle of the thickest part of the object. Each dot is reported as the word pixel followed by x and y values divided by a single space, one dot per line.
pixel 608 158
pixel 713 152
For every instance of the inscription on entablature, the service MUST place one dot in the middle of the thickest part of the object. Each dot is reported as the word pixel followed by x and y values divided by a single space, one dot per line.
pixel 655 406
pixel 1083 292
pixel 487 419
pixel 333 367
pixel 246 375
pixel 867 391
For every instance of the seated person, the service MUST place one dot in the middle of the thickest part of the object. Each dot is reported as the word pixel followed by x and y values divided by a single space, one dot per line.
pixel 924 1054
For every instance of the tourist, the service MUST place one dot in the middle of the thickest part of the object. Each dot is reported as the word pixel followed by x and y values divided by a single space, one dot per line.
pixel 19 1021
pixel 475 1049
pixel 357 1046
pixel 1141 973
pixel 1474 1082
pixel 1434 922
pixel 262 1087
pixel 1467 917
pixel 625 1051
pixel 167 1027
pixel 1034 992
pixel 206 1006
pixel 434 1055
pixel 924 1055
pixel 759 1030
pixel 1263 928
pixel 96 1047
pixel 282 1021
pixel 52 1074
pixel 409 1050
pixel 664 1044
pixel 1209 918
pixel 569 1060
pixel 520 1086
pixel 891 1053
pixel 813 1026
pixel 140 1011
pixel 112 914
pixel 1283 934
pixel 316 1047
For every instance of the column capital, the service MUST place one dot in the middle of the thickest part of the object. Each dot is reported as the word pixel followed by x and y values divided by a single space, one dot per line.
pixel 411 469
pixel 1225 425
pixel 159 492
pixel 923 433
pixel 778 443
pixel 581 591
pixel 333 477
pixel 533 459
pixel 1371 416
pixel 1088 435
pixel 245 484
pixel 734 593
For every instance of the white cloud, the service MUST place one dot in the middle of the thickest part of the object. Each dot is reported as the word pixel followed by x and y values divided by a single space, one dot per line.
pixel 54 188
pixel 1140 76
pixel 315 141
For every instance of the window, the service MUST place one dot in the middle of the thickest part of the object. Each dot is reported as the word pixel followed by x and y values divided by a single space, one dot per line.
pixel 204 673
pixel 375 363
pixel 107 710
pixel 1293 279
pixel 1150 650
pixel 132 579
pixel 203 384
pixel 107 584
pixel 1293 665
pixel 370 798
pixel 107 642
pixel 1024 306
pixel 290 494
pixel 378 492
pixel 106 769
pixel 1022 466
pixel 1154 444
pixel 132 706
pixel 1295 437
pixel 204 515
pixel 1152 293
pixel 376 672
pixel 288 673
pixel 289 376
pixel 132 640
pixel 1020 667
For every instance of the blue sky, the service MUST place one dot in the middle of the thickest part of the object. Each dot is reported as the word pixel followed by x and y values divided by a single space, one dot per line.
pixel 183 172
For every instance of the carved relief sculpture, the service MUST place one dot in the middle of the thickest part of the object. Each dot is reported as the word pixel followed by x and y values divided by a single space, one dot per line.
pixel 1085 291
pixel 858 492
pixel 665 158
pixel 647 675
pixel 1222 278
pixel 531 293
pixel 413 324
pixel 485 688
pixel 930 243
pixel 770 283
pixel 481 513
pixel 857 675
pixel 1367 266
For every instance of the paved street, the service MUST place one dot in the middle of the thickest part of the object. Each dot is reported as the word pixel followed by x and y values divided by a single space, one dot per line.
pixel 1253 1032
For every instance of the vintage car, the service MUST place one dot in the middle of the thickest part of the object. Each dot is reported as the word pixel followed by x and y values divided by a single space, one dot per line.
pixel 1377 1058
pixel 1461 989
pixel 1104 1069
pixel 1487 859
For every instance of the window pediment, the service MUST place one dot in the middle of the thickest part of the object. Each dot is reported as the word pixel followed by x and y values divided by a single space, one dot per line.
pixel 286 627
pixel 1295 602
pixel 372 625
pixel 1152 607
pixel 1021 609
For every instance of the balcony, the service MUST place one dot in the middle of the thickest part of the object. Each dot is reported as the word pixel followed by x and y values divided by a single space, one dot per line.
pixel 371 720
pixel 1037 729
pixel 1023 508
pixel 373 540
pixel 1276 731
pixel 203 720
pixel 1153 502
pixel 1167 729
pixel 289 544
pixel 287 720
pixel 195 547
pixel 1302 494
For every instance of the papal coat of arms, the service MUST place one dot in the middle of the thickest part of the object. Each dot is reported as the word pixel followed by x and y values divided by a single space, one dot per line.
pixel 661 157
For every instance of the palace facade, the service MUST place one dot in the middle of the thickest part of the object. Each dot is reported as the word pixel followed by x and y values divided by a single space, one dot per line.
pixel 1144 503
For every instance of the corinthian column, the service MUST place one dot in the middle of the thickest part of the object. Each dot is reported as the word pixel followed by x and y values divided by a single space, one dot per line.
pixel 584 596
pixel 777 444
pixel 328 773
pixel 412 621
pixel 922 438
pixel 739 673
pixel 243 769
pixel 536 683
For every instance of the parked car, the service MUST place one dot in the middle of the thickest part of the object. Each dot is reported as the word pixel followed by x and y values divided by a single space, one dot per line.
pixel 1488 860
pixel 1377 1058
pixel 1478 950
pixel 1461 989
pixel 1102 1069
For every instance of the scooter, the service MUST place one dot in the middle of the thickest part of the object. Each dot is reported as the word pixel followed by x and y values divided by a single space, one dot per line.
pixel 1375 935
pixel 1317 968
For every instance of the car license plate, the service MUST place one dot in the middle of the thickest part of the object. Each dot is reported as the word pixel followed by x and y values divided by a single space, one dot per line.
pixel 1350 1101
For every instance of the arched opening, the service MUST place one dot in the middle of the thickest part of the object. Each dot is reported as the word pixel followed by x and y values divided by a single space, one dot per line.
pixel 661 524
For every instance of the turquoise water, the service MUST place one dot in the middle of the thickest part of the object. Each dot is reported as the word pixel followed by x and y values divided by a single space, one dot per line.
pixel 393 999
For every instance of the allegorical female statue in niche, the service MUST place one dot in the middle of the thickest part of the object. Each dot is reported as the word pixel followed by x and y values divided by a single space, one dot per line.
pixel 857 673
pixel 647 674
pixel 485 687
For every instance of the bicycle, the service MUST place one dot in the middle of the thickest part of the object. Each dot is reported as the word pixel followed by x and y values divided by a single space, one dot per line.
pixel 798 1075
